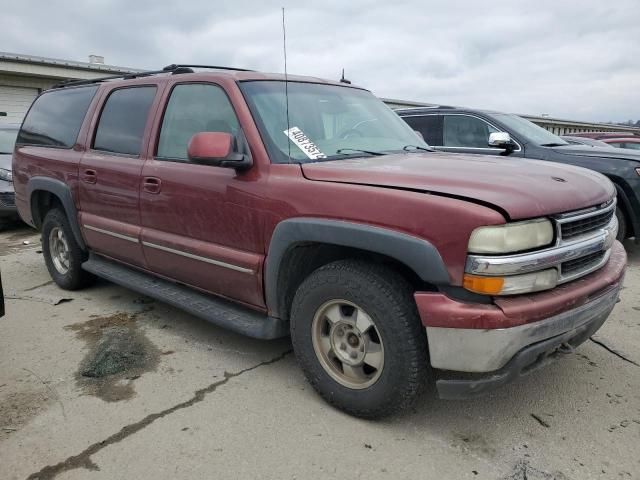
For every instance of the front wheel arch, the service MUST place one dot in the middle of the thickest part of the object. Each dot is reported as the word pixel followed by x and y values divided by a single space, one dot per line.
pixel 419 258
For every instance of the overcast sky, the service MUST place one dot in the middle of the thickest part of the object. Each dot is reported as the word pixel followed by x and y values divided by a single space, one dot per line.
pixel 570 59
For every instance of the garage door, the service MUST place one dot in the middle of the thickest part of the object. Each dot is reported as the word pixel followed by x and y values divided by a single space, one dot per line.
pixel 14 102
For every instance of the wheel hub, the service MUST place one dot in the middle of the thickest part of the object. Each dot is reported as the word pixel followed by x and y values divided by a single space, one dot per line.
pixel 348 344
pixel 59 250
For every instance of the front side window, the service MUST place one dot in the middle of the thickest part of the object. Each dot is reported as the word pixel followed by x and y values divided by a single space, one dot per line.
pixel 632 146
pixel 123 120
pixel 466 132
pixel 56 116
pixel 326 122
pixel 194 108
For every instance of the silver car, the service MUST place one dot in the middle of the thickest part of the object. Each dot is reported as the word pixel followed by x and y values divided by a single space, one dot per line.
pixel 8 212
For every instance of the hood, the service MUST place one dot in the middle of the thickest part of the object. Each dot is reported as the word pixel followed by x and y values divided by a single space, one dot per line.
pixel 600 152
pixel 518 187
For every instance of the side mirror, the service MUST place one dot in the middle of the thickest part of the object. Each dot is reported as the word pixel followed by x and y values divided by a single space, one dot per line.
pixel 501 140
pixel 217 149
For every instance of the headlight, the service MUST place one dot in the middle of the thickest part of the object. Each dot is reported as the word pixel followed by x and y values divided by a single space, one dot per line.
pixel 6 175
pixel 512 285
pixel 511 237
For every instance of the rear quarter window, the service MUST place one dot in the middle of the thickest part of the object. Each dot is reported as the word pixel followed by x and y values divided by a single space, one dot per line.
pixel 55 117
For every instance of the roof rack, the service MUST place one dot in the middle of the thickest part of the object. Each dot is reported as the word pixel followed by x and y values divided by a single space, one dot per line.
pixel 174 66
pixel 174 69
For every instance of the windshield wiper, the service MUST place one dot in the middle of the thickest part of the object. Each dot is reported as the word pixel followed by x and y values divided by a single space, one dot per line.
pixel 554 144
pixel 413 148
pixel 357 150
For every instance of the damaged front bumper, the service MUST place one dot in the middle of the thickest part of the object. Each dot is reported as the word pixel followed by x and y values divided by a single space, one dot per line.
pixel 474 354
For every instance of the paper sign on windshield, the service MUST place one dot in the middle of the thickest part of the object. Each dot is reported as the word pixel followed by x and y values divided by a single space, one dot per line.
pixel 304 143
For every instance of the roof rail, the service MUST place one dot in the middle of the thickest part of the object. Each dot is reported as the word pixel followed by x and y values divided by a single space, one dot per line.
pixel 174 66
pixel 126 76
pixel 174 69
pixel 425 107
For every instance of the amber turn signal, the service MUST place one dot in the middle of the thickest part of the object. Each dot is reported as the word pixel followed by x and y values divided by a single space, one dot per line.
pixel 486 285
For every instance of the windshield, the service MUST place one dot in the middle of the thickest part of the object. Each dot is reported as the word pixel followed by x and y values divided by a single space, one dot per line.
pixel 7 140
pixel 529 132
pixel 325 122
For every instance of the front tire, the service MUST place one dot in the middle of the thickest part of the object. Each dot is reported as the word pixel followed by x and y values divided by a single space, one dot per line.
pixel 62 254
pixel 358 338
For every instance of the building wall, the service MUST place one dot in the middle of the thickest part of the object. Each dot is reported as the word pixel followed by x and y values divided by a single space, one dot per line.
pixel 17 92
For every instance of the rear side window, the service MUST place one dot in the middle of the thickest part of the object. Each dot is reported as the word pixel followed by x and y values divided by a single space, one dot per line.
pixel 194 108
pixel 123 119
pixel 430 126
pixel 55 118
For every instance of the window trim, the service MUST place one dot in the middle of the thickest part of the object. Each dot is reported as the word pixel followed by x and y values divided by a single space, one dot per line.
pixel 444 114
pixel 156 143
pixel 106 97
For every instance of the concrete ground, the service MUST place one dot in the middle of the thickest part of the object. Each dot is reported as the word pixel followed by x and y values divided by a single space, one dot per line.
pixel 195 401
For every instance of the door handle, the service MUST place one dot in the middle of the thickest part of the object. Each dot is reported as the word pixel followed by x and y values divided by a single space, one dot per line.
pixel 89 176
pixel 151 185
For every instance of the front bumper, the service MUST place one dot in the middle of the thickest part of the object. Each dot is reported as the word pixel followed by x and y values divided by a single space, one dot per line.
pixel 8 203
pixel 589 318
pixel 490 344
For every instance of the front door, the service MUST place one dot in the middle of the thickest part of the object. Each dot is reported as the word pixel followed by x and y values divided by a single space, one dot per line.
pixel 110 175
pixel 199 227
pixel 463 133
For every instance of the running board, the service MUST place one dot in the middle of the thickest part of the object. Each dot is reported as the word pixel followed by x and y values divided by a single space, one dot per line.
pixel 213 309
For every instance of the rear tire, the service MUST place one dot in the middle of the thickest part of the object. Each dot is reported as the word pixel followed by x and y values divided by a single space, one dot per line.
pixel 62 254
pixel 357 335
pixel 622 225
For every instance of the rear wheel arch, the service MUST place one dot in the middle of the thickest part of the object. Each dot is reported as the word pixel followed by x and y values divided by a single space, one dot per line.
pixel 45 194
pixel 300 246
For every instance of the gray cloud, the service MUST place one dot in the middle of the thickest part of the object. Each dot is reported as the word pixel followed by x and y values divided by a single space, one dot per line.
pixel 572 59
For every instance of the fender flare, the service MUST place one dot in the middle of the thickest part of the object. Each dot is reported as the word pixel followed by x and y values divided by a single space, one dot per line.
pixel 63 192
pixel 416 253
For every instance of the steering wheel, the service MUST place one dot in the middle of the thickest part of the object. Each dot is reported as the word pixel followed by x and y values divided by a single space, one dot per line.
pixel 352 132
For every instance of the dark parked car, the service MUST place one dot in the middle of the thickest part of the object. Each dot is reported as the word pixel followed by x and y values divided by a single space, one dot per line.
pixel 387 263
pixel 461 130
pixel 591 142
pixel 8 210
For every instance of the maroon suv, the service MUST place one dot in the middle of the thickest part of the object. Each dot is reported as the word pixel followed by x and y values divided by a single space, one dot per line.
pixel 309 208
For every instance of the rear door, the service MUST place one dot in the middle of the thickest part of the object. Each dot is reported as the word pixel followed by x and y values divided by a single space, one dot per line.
pixel 198 224
pixel 110 173
pixel 429 126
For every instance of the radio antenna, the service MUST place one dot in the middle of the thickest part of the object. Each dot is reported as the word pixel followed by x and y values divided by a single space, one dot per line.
pixel 286 82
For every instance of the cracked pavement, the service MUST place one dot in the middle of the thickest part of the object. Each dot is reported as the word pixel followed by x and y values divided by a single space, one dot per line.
pixel 202 402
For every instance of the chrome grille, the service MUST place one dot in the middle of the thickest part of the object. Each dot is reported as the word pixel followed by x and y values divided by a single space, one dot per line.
pixel 581 264
pixel 585 225
pixel 7 199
